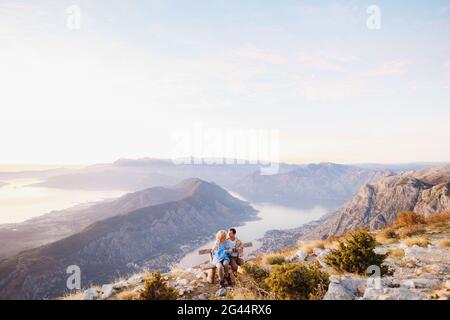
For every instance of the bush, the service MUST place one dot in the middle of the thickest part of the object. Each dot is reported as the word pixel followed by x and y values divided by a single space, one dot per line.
pixel 295 281
pixel 156 288
pixel 275 259
pixel 256 272
pixel 408 218
pixel 410 231
pixel 355 254
pixel 418 241
pixel 445 244
pixel 390 234
pixel 397 253
pixel 438 217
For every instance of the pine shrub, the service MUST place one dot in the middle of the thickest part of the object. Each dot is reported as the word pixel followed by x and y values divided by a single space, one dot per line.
pixel 296 281
pixel 156 288
pixel 355 254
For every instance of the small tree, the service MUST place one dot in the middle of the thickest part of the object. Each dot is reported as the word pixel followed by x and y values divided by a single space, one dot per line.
pixel 296 281
pixel 355 254
pixel 156 288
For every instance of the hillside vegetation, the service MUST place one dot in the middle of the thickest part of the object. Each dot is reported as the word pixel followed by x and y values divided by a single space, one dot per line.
pixel 413 254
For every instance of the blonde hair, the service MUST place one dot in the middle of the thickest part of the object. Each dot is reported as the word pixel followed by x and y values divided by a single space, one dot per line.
pixel 219 236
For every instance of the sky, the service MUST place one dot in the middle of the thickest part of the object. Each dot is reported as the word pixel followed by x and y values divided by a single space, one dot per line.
pixel 132 75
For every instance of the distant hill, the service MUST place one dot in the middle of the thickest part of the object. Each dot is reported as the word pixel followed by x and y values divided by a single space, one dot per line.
pixel 137 174
pixel 55 225
pixel 149 237
pixel 324 183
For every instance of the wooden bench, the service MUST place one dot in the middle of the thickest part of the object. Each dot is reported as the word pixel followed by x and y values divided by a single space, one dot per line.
pixel 208 267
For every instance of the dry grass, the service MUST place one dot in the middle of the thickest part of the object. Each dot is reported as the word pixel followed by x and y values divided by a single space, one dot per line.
pixel 397 253
pixel 73 296
pixel 387 236
pixel 127 295
pixel 438 218
pixel 408 218
pixel 309 246
pixel 419 241
pixel 411 231
pixel 444 243
pixel 245 288
pixel 275 258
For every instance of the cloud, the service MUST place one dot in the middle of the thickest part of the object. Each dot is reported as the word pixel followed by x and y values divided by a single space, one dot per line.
pixel 262 55
pixel 320 63
pixel 391 68
pixel 332 91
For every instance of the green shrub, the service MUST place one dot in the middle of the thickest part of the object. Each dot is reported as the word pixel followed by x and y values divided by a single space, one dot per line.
pixel 156 288
pixel 295 281
pixel 256 272
pixel 355 254
pixel 274 259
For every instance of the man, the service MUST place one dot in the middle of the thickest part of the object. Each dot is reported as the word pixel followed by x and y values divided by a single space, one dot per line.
pixel 235 249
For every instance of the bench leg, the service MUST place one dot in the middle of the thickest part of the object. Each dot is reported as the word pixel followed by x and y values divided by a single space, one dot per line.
pixel 211 275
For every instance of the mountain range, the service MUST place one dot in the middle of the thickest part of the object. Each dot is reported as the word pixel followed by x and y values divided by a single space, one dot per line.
pixel 324 183
pixel 150 237
pixel 424 191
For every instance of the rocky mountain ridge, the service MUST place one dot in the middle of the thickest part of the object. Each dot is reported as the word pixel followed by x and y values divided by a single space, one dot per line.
pixel 424 191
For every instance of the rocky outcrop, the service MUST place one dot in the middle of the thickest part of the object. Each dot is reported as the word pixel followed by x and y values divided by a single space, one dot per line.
pixel 375 205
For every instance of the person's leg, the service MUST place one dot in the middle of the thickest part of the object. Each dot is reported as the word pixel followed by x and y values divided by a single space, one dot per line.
pixel 239 262
pixel 234 263
pixel 220 271
pixel 226 265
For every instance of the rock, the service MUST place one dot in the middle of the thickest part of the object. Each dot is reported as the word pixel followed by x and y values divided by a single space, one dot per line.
pixel 182 282
pixel 438 268
pixel 203 296
pixel 181 291
pixel 391 294
pixel 106 291
pixel 120 285
pixel 317 251
pixel 355 285
pixel 301 255
pixel 135 279
pixel 90 294
pixel 335 279
pixel 338 292
pixel 198 273
pixel 372 294
pixel 321 258
pixel 222 292
pixel 421 283
pixel 447 284
pixel 381 250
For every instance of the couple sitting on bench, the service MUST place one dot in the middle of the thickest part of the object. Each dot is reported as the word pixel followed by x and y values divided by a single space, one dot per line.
pixel 226 254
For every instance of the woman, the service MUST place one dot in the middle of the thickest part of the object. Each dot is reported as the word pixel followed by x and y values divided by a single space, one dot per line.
pixel 221 258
